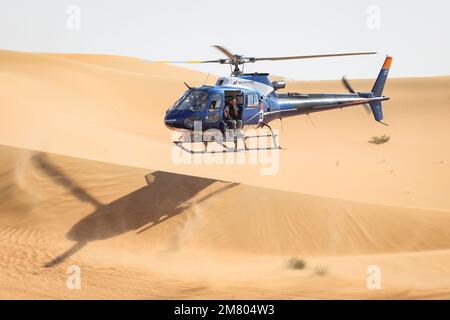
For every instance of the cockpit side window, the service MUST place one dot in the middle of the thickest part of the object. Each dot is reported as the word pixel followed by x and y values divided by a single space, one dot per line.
pixel 215 102
pixel 201 101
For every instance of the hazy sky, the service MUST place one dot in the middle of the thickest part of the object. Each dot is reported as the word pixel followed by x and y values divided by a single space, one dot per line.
pixel 416 33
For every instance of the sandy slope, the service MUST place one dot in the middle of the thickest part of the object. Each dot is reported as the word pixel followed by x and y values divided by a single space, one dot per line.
pixel 199 239
pixel 181 236
pixel 111 109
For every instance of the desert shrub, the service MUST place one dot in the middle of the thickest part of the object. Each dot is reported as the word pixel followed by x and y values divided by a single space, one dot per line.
pixel 379 139
pixel 297 263
pixel 321 270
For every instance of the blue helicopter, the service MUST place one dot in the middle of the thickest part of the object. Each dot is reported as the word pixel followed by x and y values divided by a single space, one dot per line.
pixel 201 110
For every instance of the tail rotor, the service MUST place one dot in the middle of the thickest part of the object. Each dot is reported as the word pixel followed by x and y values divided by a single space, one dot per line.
pixel 351 90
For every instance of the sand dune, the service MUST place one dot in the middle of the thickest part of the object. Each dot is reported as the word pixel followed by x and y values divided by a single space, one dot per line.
pixel 57 211
pixel 107 111
pixel 141 226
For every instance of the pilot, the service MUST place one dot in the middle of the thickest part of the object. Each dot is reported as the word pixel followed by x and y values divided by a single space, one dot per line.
pixel 231 115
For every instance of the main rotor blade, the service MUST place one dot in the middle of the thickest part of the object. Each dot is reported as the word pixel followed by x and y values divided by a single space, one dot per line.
pixel 314 56
pixel 232 58
pixel 226 52
pixel 188 61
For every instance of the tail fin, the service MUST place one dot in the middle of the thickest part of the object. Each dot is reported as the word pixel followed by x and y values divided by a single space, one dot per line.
pixel 378 87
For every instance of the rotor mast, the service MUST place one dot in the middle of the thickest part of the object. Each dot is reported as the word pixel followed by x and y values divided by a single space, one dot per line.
pixel 235 66
pixel 236 72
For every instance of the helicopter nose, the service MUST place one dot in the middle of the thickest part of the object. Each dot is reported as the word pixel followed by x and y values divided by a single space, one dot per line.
pixel 169 122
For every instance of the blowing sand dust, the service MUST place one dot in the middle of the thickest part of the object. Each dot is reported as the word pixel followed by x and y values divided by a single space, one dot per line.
pixel 86 180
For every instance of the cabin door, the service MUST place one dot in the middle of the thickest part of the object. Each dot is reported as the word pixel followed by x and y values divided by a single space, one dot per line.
pixel 214 111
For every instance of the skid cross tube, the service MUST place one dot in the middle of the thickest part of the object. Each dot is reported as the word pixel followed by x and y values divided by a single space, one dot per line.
pixel 234 138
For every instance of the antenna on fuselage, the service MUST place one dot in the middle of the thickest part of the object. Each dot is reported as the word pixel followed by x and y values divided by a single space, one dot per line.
pixel 312 122
pixel 207 76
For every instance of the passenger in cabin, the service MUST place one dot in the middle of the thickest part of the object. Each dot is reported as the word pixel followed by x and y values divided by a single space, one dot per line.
pixel 231 115
pixel 230 123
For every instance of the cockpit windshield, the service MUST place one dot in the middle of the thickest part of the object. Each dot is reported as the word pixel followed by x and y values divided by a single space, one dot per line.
pixel 194 100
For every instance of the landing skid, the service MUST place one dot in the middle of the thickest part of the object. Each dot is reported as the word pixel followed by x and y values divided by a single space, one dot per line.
pixel 227 139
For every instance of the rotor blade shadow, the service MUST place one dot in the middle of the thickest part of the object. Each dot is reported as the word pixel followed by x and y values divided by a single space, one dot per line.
pixel 165 196
pixel 65 255
pixel 42 162
pixel 204 198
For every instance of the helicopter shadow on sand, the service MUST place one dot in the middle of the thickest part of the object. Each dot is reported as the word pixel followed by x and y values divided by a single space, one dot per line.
pixel 165 195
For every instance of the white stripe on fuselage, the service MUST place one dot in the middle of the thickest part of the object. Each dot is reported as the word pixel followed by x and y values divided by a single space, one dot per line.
pixel 237 82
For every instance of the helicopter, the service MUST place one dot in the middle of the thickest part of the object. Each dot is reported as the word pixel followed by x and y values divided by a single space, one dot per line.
pixel 199 113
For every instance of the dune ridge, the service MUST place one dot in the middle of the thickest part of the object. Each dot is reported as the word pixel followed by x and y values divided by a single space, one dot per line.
pixel 87 179
pixel 106 113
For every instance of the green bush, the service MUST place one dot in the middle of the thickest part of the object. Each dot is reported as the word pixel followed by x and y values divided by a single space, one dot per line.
pixel 296 263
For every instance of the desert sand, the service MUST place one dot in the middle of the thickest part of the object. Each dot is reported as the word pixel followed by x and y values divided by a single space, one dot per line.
pixel 87 179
